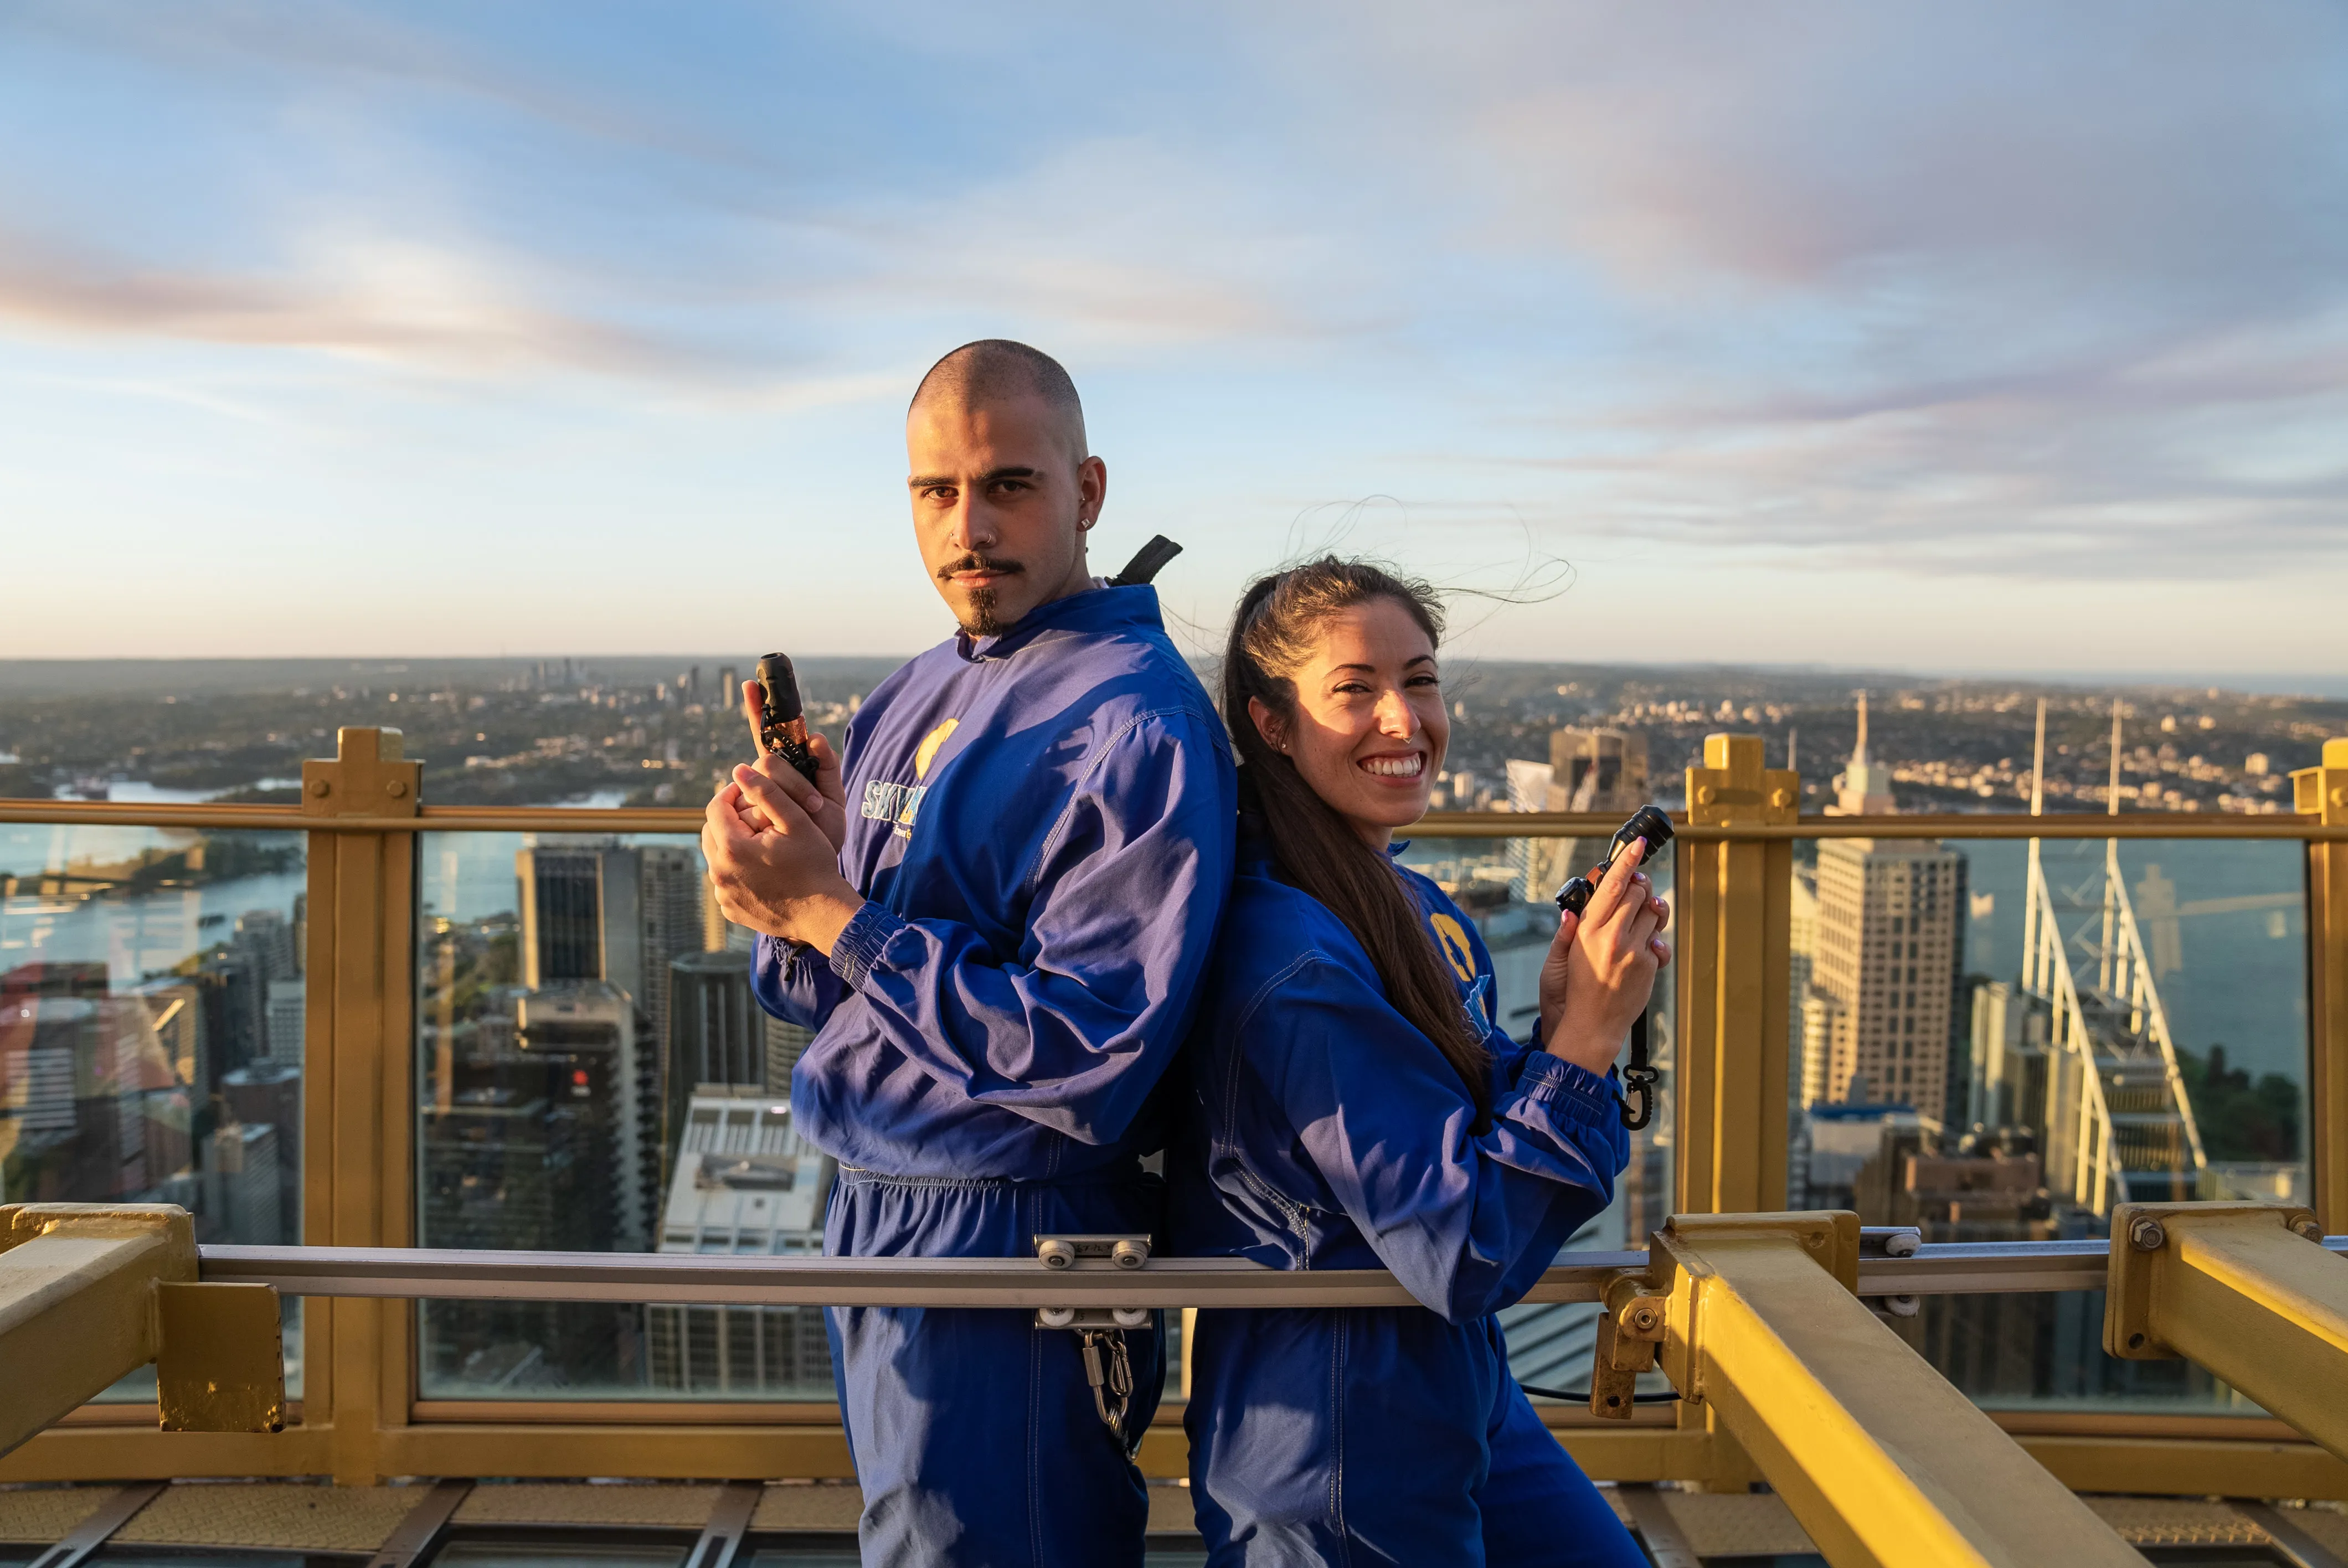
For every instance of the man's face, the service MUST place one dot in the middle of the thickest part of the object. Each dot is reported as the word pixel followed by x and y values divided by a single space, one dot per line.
pixel 1000 505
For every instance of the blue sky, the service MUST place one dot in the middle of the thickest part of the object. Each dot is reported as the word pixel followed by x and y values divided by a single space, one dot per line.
pixel 2000 336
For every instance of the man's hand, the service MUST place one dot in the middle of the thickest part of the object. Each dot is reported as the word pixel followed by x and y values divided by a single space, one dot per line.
pixel 1602 969
pixel 772 869
pixel 826 800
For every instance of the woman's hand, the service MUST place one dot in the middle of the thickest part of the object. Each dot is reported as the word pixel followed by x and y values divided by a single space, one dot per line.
pixel 1601 967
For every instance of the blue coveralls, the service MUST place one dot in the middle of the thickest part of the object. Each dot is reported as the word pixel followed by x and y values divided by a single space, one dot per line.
pixel 1323 1131
pixel 1042 822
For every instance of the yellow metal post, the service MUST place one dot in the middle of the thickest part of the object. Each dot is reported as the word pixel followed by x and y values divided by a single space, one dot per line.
pixel 1880 1458
pixel 1734 929
pixel 2247 1291
pixel 359 1107
pixel 2322 792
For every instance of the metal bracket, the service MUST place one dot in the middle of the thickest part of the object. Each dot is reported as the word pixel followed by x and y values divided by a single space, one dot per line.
pixel 1629 1332
pixel 2142 1237
pixel 222 1364
pixel 1064 1251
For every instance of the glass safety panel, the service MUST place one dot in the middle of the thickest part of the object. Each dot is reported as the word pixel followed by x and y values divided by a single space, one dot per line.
pixel 593 1075
pixel 1508 887
pixel 151 1011
pixel 1999 1042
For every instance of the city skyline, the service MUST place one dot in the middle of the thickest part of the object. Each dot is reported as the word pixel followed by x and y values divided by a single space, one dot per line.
pixel 1944 341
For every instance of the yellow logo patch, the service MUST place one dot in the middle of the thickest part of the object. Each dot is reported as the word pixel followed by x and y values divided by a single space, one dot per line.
pixel 928 749
pixel 1452 938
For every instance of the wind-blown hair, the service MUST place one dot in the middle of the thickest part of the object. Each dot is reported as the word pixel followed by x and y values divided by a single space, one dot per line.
pixel 1317 850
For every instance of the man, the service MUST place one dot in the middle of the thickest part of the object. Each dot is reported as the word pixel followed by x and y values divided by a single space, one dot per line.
pixel 1034 838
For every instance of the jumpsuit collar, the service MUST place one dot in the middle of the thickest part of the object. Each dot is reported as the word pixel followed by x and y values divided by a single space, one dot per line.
pixel 1102 609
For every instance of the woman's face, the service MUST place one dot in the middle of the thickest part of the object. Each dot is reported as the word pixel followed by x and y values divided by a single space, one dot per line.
pixel 1370 729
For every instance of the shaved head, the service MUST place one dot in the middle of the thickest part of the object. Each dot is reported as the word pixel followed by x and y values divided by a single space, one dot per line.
pixel 1003 486
pixel 995 370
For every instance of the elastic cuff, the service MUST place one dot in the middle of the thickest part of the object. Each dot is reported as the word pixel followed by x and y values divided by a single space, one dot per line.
pixel 1546 1076
pixel 860 942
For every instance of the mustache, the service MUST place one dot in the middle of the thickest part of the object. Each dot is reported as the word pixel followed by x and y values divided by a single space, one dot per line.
pixel 980 563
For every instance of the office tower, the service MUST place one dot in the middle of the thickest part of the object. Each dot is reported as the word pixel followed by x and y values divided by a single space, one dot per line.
pixel 1863 788
pixel 82 1079
pixel 288 1011
pixel 1808 1057
pixel 669 897
pixel 744 1182
pixel 267 937
pixel 233 1002
pixel 602 1124
pixel 1541 864
pixel 268 1094
pixel 243 1186
pixel 715 1041
pixel 1890 949
pixel 582 915
pixel 785 1043
pixel 1599 770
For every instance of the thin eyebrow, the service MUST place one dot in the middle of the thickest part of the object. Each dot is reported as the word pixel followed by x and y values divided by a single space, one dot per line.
pixel 1414 659
pixel 928 481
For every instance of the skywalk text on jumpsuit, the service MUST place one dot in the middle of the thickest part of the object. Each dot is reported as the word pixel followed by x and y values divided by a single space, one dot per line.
pixel 1041 823
pixel 1323 1131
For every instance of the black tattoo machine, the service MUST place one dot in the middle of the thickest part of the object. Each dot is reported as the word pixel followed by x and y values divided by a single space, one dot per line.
pixel 1650 827
pixel 782 723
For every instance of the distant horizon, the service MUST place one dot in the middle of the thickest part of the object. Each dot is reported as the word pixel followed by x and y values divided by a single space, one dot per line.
pixel 2320 688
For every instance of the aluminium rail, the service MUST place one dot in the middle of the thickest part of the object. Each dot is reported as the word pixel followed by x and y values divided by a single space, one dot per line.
pixel 687 820
pixel 1960 1268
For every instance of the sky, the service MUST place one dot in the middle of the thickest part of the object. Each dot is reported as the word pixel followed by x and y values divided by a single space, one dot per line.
pixel 2000 337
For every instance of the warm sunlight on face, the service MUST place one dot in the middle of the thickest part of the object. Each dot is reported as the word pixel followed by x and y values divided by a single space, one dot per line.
pixel 1000 506
pixel 1370 729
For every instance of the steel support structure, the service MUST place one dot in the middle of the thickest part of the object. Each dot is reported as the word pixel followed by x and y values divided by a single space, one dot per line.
pixel 361 1417
pixel 2249 1291
pixel 1881 1460
pixel 92 1291
pixel 2322 793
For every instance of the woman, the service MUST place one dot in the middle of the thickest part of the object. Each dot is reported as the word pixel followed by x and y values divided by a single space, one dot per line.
pixel 1353 1105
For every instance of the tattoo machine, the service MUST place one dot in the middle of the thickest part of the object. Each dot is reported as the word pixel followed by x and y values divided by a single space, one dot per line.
pixel 1650 827
pixel 781 724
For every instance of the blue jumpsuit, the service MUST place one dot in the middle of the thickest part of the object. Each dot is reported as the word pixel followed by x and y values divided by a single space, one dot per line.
pixel 1043 823
pixel 1323 1131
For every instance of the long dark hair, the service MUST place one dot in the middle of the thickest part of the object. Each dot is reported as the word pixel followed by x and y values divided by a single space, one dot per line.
pixel 1316 848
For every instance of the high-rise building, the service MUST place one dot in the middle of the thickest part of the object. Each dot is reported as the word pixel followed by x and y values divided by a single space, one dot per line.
pixel 582 915
pixel 744 1182
pixel 1810 1058
pixel 602 1119
pixel 1599 770
pixel 1539 864
pixel 268 1093
pixel 268 937
pixel 717 1039
pixel 785 1043
pixel 245 1185
pixel 1889 948
pixel 1863 788
pixel 288 1011
pixel 669 898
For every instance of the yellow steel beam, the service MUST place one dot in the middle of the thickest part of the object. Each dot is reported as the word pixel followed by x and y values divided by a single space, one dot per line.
pixel 2246 1290
pixel 1880 1458
pixel 89 1292
pixel 2322 792
pixel 77 1302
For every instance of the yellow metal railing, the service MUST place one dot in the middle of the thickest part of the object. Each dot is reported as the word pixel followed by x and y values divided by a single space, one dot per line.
pixel 360 1417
